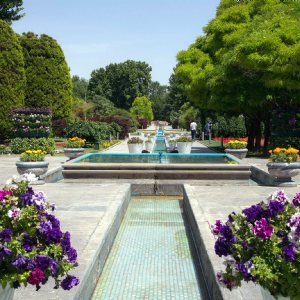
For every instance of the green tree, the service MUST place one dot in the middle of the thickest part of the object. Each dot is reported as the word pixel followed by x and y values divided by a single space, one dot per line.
pixel 79 87
pixel 142 108
pixel 102 106
pixel 158 95
pixel 12 77
pixel 121 83
pixel 247 61
pixel 10 10
pixel 47 73
pixel 187 114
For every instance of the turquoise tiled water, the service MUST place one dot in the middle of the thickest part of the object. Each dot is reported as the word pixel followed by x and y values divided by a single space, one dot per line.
pixel 151 257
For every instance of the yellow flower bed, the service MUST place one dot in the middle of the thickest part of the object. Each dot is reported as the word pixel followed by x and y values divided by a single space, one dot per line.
pixel 33 155
pixel 284 154
pixel 236 144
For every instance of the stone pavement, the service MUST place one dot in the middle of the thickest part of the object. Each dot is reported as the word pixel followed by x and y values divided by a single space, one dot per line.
pixel 87 209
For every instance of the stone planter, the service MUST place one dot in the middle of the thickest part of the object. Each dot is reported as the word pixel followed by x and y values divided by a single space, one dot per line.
pixel 38 168
pixel 266 295
pixel 73 152
pixel 7 293
pixel 135 148
pixel 239 153
pixel 283 172
pixel 184 147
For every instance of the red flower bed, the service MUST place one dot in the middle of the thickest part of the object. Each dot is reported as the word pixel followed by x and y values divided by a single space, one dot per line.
pixel 61 145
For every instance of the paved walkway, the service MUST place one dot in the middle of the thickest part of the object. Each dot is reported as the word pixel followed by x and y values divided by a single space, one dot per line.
pixel 86 210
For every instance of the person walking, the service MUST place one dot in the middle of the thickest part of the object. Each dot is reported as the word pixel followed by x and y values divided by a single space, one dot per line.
pixel 193 127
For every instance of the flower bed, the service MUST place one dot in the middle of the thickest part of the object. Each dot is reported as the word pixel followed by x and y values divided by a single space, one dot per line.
pixel 279 155
pixel 32 245
pixel 261 244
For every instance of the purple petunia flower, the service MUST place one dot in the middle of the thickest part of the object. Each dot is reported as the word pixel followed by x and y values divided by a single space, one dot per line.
pixel 5 235
pixel 45 227
pixel 245 245
pixel 28 243
pixel 69 282
pixel 216 228
pixel 222 247
pixel 253 212
pixel 296 200
pixel 4 251
pixel 43 261
pixel 262 229
pixel 65 242
pixel 54 267
pixel 244 269
pixel 27 197
pixel 289 252
pixel 72 255
pixel 20 262
pixel 31 265
pixel 275 207
pixel 39 200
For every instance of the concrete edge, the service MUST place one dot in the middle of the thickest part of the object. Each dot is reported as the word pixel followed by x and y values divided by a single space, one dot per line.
pixel 52 175
pixel 262 176
pixel 210 263
pixel 211 284
pixel 96 259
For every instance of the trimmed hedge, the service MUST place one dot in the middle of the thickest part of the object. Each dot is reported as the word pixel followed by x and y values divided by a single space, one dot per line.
pixel 12 77
pixel 48 80
pixel 91 131
pixel 19 145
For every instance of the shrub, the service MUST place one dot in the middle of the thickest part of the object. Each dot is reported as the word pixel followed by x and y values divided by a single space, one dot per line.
pixel 48 80
pixel 143 123
pixel 12 77
pixel 284 142
pixel 19 145
pixel 124 123
pixel 90 130
pixel 31 122
pixel 59 127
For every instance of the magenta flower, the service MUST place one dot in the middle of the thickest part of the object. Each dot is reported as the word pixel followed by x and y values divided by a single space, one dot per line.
pixel 216 228
pixel 262 229
pixel 3 194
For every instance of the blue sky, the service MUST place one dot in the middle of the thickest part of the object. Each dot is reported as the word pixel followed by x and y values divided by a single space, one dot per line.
pixel 96 33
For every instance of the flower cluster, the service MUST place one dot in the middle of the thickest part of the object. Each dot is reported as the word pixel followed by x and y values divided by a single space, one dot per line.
pixel 75 142
pixel 262 244
pixel 33 155
pixel 32 122
pixel 284 155
pixel 32 245
pixel 135 140
pixel 236 144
